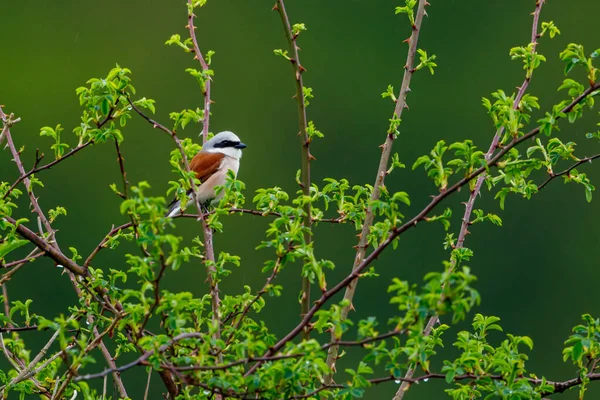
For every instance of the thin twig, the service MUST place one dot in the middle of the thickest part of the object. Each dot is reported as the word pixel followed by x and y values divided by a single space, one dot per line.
pixel 140 359
pixel 9 325
pixel 568 170
pixel 148 384
pixel 22 261
pixel 37 169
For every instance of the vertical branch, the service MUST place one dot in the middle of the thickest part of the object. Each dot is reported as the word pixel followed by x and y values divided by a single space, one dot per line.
pixel 466 221
pixel 205 68
pixel 208 234
pixel 120 160
pixel 6 305
pixel 379 179
pixel 304 142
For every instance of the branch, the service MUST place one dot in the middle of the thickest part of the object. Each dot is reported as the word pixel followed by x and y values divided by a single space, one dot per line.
pixel 198 56
pixel 141 359
pixel 49 250
pixel 411 224
pixel 380 176
pixel 208 243
pixel 22 261
pixel 304 143
pixel 478 184
pixel 8 122
pixel 568 170
pixel 36 169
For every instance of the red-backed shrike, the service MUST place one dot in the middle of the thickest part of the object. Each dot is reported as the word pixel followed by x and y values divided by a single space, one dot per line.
pixel 218 155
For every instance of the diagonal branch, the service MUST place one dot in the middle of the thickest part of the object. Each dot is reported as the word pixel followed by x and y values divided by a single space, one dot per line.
pixel 437 199
pixel 8 121
pixel 479 183
pixel 568 170
pixel 380 177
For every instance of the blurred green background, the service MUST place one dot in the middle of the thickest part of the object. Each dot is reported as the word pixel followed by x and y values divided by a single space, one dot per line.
pixel 539 272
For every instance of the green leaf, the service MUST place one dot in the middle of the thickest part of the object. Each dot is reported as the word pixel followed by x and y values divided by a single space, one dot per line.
pixel 8 247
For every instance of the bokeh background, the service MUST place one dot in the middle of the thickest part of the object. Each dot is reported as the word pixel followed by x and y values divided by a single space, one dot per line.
pixel 539 272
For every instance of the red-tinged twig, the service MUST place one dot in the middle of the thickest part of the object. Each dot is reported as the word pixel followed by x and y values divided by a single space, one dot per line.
pixel 103 349
pixel 364 342
pixel 435 201
pixel 243 361
pixel 382 169
pixel 568 170
pixel 304 143
pixel 466 220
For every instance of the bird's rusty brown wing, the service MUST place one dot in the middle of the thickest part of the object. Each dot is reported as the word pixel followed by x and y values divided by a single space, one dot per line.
pixel 205 164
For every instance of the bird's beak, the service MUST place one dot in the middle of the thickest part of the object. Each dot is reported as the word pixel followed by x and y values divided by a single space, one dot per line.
pixel 240 146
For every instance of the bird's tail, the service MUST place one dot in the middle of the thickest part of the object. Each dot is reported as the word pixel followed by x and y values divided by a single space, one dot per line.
pixel 173 209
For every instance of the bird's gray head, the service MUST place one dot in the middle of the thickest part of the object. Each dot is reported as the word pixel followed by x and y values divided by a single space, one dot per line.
pixel 225 142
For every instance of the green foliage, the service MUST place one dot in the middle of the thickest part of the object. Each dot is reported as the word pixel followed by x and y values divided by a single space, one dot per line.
pixel 211 342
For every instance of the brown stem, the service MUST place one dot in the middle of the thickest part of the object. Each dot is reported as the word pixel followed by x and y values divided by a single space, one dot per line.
pixel 304 144
pixel 37 169
pixel 208 235
pixel 203 64
pixel 478 184
pixel 17 159
pixel 409 225
pixel 380 177
pixel 568 170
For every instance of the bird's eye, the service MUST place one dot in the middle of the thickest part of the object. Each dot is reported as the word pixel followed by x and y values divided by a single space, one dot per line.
pixel 226 143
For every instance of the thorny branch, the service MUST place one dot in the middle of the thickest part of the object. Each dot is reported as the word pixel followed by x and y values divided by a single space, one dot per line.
pixel 568 170
pixel 386 151
pixel 437 199
pixel 304 143
pixel 205 68
pixel 479 183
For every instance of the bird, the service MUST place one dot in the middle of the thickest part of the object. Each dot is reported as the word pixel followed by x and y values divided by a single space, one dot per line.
pixel 218 155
